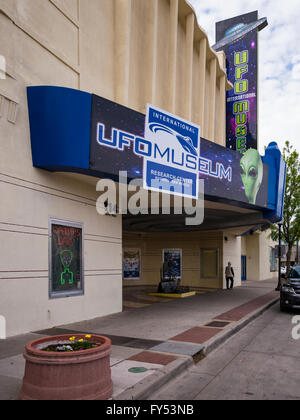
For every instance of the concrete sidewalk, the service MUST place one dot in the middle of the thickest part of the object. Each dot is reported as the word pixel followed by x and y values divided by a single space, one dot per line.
pixel 163 336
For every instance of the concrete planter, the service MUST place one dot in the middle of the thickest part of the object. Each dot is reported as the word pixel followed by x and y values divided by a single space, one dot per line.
pixel 80 375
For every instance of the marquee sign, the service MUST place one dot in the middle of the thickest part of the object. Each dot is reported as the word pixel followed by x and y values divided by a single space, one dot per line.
pixel 162 147
pixel 74 131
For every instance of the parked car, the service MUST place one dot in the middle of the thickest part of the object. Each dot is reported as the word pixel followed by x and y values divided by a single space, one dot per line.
pixel 290 290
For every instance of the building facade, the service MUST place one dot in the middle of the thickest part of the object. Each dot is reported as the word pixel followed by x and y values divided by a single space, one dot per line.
pixel 130 52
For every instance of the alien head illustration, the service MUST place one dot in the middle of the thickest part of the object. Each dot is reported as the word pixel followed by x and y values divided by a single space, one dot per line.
pixel 66 258
pixel 252 171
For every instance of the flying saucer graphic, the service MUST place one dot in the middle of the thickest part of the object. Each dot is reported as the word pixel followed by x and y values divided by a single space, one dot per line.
pixel 237 32
pixel 186 142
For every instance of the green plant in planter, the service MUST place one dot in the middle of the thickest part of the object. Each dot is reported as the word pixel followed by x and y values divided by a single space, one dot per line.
pixel 74 345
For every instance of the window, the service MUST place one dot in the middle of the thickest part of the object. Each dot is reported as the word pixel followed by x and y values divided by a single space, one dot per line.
pixel 65 259
pixel 295 273
pixel 209 263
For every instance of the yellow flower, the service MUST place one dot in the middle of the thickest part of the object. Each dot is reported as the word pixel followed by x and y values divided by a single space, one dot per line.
pixel 80 341
pixel 72 338
pixel 88 336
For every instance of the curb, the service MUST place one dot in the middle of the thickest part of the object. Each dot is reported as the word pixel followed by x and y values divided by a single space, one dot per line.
pixel 215 342
pixel 143 389
pixel 147 386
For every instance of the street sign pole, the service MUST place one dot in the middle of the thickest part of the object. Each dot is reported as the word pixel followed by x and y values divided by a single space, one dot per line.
pixel 278 288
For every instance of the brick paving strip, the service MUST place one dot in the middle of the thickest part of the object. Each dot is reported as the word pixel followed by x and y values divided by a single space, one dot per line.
pixel 151 357
pixel 200 335
pixel 236 314
pixel 197 335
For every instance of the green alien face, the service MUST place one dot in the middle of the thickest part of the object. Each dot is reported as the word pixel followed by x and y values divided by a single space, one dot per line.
pixel 252 171
pixel 66 258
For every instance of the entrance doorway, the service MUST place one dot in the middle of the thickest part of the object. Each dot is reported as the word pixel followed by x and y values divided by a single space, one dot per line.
pixel 244 268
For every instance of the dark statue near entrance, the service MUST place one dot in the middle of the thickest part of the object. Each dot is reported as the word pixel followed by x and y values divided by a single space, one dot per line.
pixel 169 283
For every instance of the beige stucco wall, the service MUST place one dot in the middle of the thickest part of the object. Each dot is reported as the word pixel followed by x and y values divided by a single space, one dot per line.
pixel 24 259
pixel 265 263
pixel 162 57
pixel 40 41
pixel 152 245
pixel 129 51
pixel 257 249
pixel 244 245
pixel 232 249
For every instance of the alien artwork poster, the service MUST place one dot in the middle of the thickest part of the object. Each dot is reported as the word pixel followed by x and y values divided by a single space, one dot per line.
pixel 131 264
pixel 66 259
pixel 252 172
pixel 119 143
pixel 234 176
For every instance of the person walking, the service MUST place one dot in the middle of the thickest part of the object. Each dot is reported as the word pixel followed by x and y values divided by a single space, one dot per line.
pixel 229 273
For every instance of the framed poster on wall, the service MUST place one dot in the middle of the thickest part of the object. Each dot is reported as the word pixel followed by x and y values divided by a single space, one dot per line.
pixel 172 264
pixel 66 273
pixel 131 264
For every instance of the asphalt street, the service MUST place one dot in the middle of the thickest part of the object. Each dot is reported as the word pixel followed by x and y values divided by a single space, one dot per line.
pixel 261 362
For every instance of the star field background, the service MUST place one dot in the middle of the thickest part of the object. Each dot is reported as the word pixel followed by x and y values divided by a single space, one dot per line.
pixel 107 162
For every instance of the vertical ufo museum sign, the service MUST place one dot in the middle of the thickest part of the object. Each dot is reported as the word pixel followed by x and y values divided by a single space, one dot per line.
pixel 238 38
